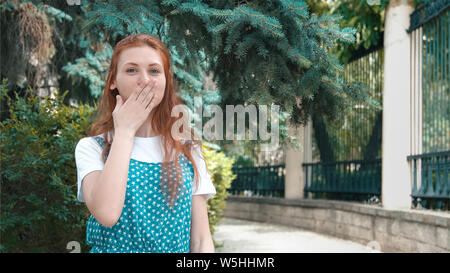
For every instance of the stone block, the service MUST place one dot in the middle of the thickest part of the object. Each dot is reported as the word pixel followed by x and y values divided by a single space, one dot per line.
pixel 443 238
pixel 344 217
pixel 394 227
pixel 423 233
pixel 362 220
pixel 304 213
pixel 321 214
pixel 290 212
pixel 305 223
pixel 382 239
pixel 274 209
pixel 400 244
pixel 342 229
pixel 381 225
pixel 326 227
pixel 360 232
pixel 427 248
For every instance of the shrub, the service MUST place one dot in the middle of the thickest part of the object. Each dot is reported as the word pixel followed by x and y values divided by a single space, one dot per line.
pixel 39 209
pixel 219 167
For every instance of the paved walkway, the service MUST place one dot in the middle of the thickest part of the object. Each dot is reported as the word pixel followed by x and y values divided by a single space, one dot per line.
pixel 240 236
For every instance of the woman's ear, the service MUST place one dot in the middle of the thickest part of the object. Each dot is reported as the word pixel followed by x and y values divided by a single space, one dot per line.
pixel 112 86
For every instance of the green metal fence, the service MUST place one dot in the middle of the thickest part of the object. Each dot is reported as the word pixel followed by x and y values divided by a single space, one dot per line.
pixel 258 181
pixel 434 189
pixel 358 136
pixel 430 106
pixel 355 180
pixel 436 103
pixel 349 167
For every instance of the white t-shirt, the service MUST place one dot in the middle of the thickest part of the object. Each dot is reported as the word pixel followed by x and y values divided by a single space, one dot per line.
pixel 88 158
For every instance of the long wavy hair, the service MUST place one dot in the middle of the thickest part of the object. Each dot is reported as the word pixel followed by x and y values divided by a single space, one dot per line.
pixel 161 122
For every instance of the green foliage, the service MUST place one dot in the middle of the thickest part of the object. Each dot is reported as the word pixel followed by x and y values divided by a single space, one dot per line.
pixel 365 16
pixel 367 19
pixel 260 52
pixel 39 209
pixel 219 167
pixel 244 161
pixel 93 68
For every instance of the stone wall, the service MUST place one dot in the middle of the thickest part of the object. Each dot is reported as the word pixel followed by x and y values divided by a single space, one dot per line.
pixel 391 230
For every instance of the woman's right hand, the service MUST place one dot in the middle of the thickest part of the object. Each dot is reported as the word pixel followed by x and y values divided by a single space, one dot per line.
pixel 128 116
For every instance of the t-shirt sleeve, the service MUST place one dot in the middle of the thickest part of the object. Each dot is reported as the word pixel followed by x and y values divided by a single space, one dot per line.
pixel 205 185
pixel 88 158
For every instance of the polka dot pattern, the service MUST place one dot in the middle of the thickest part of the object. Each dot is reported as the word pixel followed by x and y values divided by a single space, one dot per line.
pixel 147 222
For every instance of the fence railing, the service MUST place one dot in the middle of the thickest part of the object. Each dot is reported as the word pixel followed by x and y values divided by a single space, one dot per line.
pixel 258 181
pixel 431 180
pixel 430 98
pixel 430 106
pixel 355 180
pixel 357 134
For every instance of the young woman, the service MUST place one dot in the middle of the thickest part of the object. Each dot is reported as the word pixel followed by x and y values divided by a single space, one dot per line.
pixel 146 190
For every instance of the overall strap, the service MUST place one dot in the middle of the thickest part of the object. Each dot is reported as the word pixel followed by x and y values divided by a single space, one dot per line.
pixel 101 142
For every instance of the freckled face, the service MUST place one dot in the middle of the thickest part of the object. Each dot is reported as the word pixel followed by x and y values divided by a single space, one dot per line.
pixel 137 66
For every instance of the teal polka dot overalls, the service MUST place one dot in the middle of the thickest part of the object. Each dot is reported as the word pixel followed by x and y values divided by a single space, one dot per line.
pixel 147 222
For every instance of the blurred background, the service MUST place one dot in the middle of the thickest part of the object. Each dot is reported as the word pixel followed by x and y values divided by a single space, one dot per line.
pixel 364 125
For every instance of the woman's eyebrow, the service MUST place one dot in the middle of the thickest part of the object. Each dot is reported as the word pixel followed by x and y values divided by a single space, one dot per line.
pixel 131 63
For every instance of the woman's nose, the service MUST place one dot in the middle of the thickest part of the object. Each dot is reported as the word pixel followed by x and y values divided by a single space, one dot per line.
pixel 144 79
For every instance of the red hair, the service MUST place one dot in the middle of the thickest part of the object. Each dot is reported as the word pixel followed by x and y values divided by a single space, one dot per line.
pixel 162 120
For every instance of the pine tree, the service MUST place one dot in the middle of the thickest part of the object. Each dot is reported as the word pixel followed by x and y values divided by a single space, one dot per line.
pixel 260 52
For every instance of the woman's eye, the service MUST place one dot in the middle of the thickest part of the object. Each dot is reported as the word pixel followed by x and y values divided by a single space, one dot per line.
pixel 132 70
